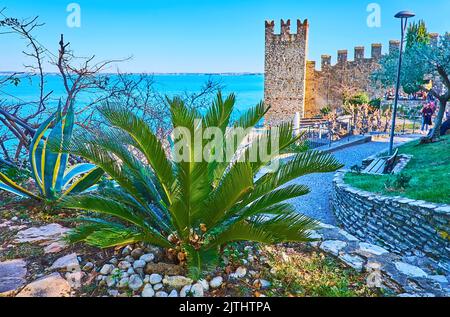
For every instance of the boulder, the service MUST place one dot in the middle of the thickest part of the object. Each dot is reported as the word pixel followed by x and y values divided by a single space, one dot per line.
pixel 52 285
pixel 164 269
pixel 68 262
pixel 44 235
pixel 176 282
pixel 12 276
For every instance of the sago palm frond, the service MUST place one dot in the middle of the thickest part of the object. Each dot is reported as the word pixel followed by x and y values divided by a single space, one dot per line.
pixel 193 205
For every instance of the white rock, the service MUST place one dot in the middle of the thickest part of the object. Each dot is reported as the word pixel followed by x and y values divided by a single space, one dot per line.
pixel 51 232
pixel 333 246
pixel 123 282
pixel 129 259
pixel 176 282
pixel 155 278
pixel 216 282
pixel 127 250
pixel 263 283
pixel 197 290
pixel 372 248
pixel 106 269
pixel 410 270
pixel 185 291
pixel 138 264
pixel 135 282
pixel 113 261
pixel 124 265
pixel 205 284
pixel 148 291
pixel 12 276
pixel 313 234
pixel 68 262
pixel 240 272
pixel 157 287
pixel 348 236
pixel 55 247
pixel 74 278
pixel 439 278
pixel 173 293
pixel 353 261
pixel 149 257
pixel 88 266
pixel 52 285
pixel 110 281
pixel 161 294
pixel 113 292
pixel 130 271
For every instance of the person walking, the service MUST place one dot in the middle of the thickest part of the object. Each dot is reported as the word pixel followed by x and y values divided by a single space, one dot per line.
pixel 427 113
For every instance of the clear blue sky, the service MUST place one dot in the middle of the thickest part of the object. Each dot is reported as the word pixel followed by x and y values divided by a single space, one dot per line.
pixel 207 35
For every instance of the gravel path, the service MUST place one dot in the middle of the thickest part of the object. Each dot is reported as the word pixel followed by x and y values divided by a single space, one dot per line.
pixel 317 203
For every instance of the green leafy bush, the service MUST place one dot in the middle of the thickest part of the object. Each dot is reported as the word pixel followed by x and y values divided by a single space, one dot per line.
pixel 400 182
pixel 191 207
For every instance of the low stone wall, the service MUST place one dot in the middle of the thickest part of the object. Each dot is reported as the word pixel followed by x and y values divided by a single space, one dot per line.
pixel 401 225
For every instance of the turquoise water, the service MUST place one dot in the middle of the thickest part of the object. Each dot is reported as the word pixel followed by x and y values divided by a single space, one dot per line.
pixel 247 87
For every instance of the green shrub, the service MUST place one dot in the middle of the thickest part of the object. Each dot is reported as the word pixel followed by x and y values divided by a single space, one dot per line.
pixel 400 182
pixel 192 207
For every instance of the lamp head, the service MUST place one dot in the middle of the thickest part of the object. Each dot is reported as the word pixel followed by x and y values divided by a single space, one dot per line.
pixel 405 14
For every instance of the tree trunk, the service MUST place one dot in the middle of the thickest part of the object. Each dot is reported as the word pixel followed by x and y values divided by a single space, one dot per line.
pixel 438 121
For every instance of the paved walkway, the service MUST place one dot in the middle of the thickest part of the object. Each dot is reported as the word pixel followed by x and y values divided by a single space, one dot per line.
pixel 317 203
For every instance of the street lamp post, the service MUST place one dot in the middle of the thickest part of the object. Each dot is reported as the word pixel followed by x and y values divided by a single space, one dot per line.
pixel 403 16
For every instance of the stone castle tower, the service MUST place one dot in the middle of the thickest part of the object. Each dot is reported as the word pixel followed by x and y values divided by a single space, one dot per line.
pixel 285 71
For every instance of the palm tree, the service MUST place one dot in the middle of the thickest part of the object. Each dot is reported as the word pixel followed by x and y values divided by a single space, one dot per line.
pixel 193 207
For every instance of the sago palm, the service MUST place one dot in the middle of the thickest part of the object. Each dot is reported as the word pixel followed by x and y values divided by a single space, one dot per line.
pixel 192 206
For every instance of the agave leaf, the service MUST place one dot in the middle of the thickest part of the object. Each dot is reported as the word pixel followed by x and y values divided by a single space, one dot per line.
pixel 37 149
pixel 64 157
pixel 75 171
pixel 13 191
pixel 52 160
pixel 11 186
pixel 85 182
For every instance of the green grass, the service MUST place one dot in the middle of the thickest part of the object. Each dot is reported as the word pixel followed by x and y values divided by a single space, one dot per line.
pixel 429 169
pixel 312 274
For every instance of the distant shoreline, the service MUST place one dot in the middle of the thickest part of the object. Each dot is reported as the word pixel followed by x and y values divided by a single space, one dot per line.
pixel 3 73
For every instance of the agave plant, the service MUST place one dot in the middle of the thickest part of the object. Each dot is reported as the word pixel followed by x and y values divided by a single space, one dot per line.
pixel 49 167
pixel 193 207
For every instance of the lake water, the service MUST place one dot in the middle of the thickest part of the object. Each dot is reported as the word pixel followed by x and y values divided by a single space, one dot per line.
pixel 249 88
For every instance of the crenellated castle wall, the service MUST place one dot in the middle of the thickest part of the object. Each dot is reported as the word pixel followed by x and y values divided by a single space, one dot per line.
pixel 293 84
pixel 327 86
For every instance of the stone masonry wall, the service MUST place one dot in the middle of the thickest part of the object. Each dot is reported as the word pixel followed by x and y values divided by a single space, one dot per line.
pixel 399 224
pixel 326 87
pixel 285 71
